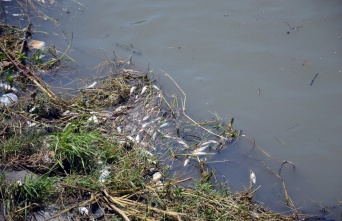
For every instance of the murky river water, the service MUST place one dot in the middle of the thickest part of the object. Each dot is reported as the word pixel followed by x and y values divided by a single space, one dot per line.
pixel 275 66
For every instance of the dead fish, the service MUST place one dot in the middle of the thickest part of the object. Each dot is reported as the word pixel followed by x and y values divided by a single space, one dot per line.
pixel 130 138
pixel 164 125
pixel 35 44
pixel 144 125
pixel 137 138
pixel 131 91
pixel 201 149
pixel 209 142
pixel 91 86
pixel 199 153
pixel 146 117
pixel 252 176
pixel 143 90
pixel 186 162
pixel 182 143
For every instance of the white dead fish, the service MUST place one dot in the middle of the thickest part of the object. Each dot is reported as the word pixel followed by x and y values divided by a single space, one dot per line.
pixel 144 125
pixel 30 124
pixel 252 176
pixel 92 85
pixel 209 142
pixel 66 113
pixel 154 135
pixel 156 176
pixel 143 90
pixel 131 91
pixel 32 109
pixel 146 117
pixel 164 125
pixel 182 143
pixel 130 138
pixel 137 138
pixel 35 44
pixel 120 109
pixel 200 149
pixel 199 153
pixel 186 162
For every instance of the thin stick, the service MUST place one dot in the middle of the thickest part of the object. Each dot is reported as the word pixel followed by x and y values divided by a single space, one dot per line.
pixel 117 210
pixel 314 79
pixel 30 75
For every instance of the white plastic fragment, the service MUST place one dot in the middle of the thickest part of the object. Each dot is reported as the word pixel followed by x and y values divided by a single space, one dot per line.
pixel 252 176
pixel 104 173
pixel 83 211
pixel 156 176
pixel 119 129
pixel 155 87
pixel 8 99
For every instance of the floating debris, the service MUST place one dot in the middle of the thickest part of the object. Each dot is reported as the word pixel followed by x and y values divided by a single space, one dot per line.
pixel 83 211
pixel 92 85
pixel 35 44
pixel 164 125
pixel 156 176
pixel 143 90
pixel 200 149
pixel 8 99
pixel 104 173
pixel 186 162
pixel 252 176
pixel 131 91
